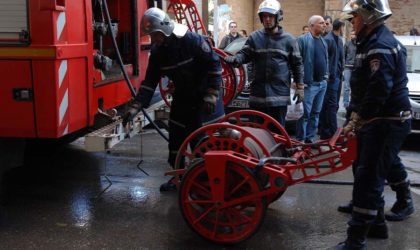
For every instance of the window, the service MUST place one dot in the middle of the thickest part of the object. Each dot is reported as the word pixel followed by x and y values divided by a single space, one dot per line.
pixel 13 22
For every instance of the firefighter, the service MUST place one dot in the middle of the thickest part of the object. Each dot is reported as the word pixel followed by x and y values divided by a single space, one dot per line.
pixel 273 52
pixel 187 59
pixel 381 120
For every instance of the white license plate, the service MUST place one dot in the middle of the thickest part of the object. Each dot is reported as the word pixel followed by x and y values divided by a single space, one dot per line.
pixel 416 115
pixel 238 103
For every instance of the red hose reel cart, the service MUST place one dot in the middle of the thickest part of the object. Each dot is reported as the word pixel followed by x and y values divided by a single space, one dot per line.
pixel 231 171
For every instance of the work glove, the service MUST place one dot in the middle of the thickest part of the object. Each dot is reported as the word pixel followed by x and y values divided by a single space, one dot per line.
pixel 299 93
pixel 231 60
pixel 354 125
pixel 133 108
pixel 210 100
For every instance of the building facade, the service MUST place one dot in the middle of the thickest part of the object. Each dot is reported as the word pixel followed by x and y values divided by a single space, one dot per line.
pixel 297 13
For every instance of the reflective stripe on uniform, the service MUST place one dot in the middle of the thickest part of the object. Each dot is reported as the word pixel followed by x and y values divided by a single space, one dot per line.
pixel 214 120
pixel 393 51
pixel 268 99
pixel 177 123
pixel 147 88
pixel 296 54
pixel 177 65
pixel 214 72
pixel 398 183
pixel 272 50
pixel 365 211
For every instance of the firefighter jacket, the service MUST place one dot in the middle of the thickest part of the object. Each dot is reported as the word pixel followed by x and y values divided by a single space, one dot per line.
pixel 192 66
pixel 379 78
pixel 273 56
pixel 307 50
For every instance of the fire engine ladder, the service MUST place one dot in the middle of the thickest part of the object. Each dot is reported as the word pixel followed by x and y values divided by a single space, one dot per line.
pixel 186 12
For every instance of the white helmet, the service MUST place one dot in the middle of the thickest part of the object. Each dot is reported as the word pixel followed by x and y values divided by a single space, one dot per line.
pixel 271 6
pixel 156 20
pixel 370 10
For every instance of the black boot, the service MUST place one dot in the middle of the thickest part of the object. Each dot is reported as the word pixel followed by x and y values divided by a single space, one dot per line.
pixel 403 207
pixel 346 208
pixel 379 229
pixel 356 239
pixel 168 186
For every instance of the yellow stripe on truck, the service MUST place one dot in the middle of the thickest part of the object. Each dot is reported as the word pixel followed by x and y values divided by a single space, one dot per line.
pixel 26 52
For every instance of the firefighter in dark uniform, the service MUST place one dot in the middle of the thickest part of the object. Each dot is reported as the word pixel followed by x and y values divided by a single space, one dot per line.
pixel 381 120
pixel 187 59
pixel 274 54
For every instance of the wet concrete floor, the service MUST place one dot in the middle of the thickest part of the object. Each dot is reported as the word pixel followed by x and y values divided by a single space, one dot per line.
pixel 52 203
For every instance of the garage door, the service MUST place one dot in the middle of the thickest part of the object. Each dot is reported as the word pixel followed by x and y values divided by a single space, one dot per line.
pixel 13 21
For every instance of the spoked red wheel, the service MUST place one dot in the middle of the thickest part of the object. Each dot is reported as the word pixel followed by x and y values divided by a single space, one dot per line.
pixel 226 221
pixel 228 78
pixel 166 88
pixel 256 119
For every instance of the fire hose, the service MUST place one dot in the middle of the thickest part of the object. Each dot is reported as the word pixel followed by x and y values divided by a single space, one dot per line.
pixel 121 64
pixel 346 183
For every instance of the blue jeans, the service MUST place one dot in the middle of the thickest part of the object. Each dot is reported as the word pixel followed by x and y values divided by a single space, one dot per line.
pixel 346 87
pixel 328 116
pixel 312 104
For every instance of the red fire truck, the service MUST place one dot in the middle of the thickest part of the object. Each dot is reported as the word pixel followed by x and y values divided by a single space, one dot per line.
pixel 65 65
pixel 59 65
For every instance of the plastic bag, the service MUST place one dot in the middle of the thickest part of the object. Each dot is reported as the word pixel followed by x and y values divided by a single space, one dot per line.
pixel 294 111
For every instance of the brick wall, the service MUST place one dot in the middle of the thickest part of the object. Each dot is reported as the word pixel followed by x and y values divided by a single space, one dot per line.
pixel 241 13
pixel 405 16
pixel 297 13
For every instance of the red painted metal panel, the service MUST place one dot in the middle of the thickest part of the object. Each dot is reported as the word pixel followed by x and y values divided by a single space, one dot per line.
pixel 45 95
pixel 61 91
pixel 17 118
pixel 41 29
pixel 78 110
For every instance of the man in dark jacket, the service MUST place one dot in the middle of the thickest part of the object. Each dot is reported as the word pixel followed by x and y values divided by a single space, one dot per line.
pixel 314 51
pixel 187 59
pixel 381 119
pixel 349 55
pixel 328 116
pixel 274 54
pixel 232 36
